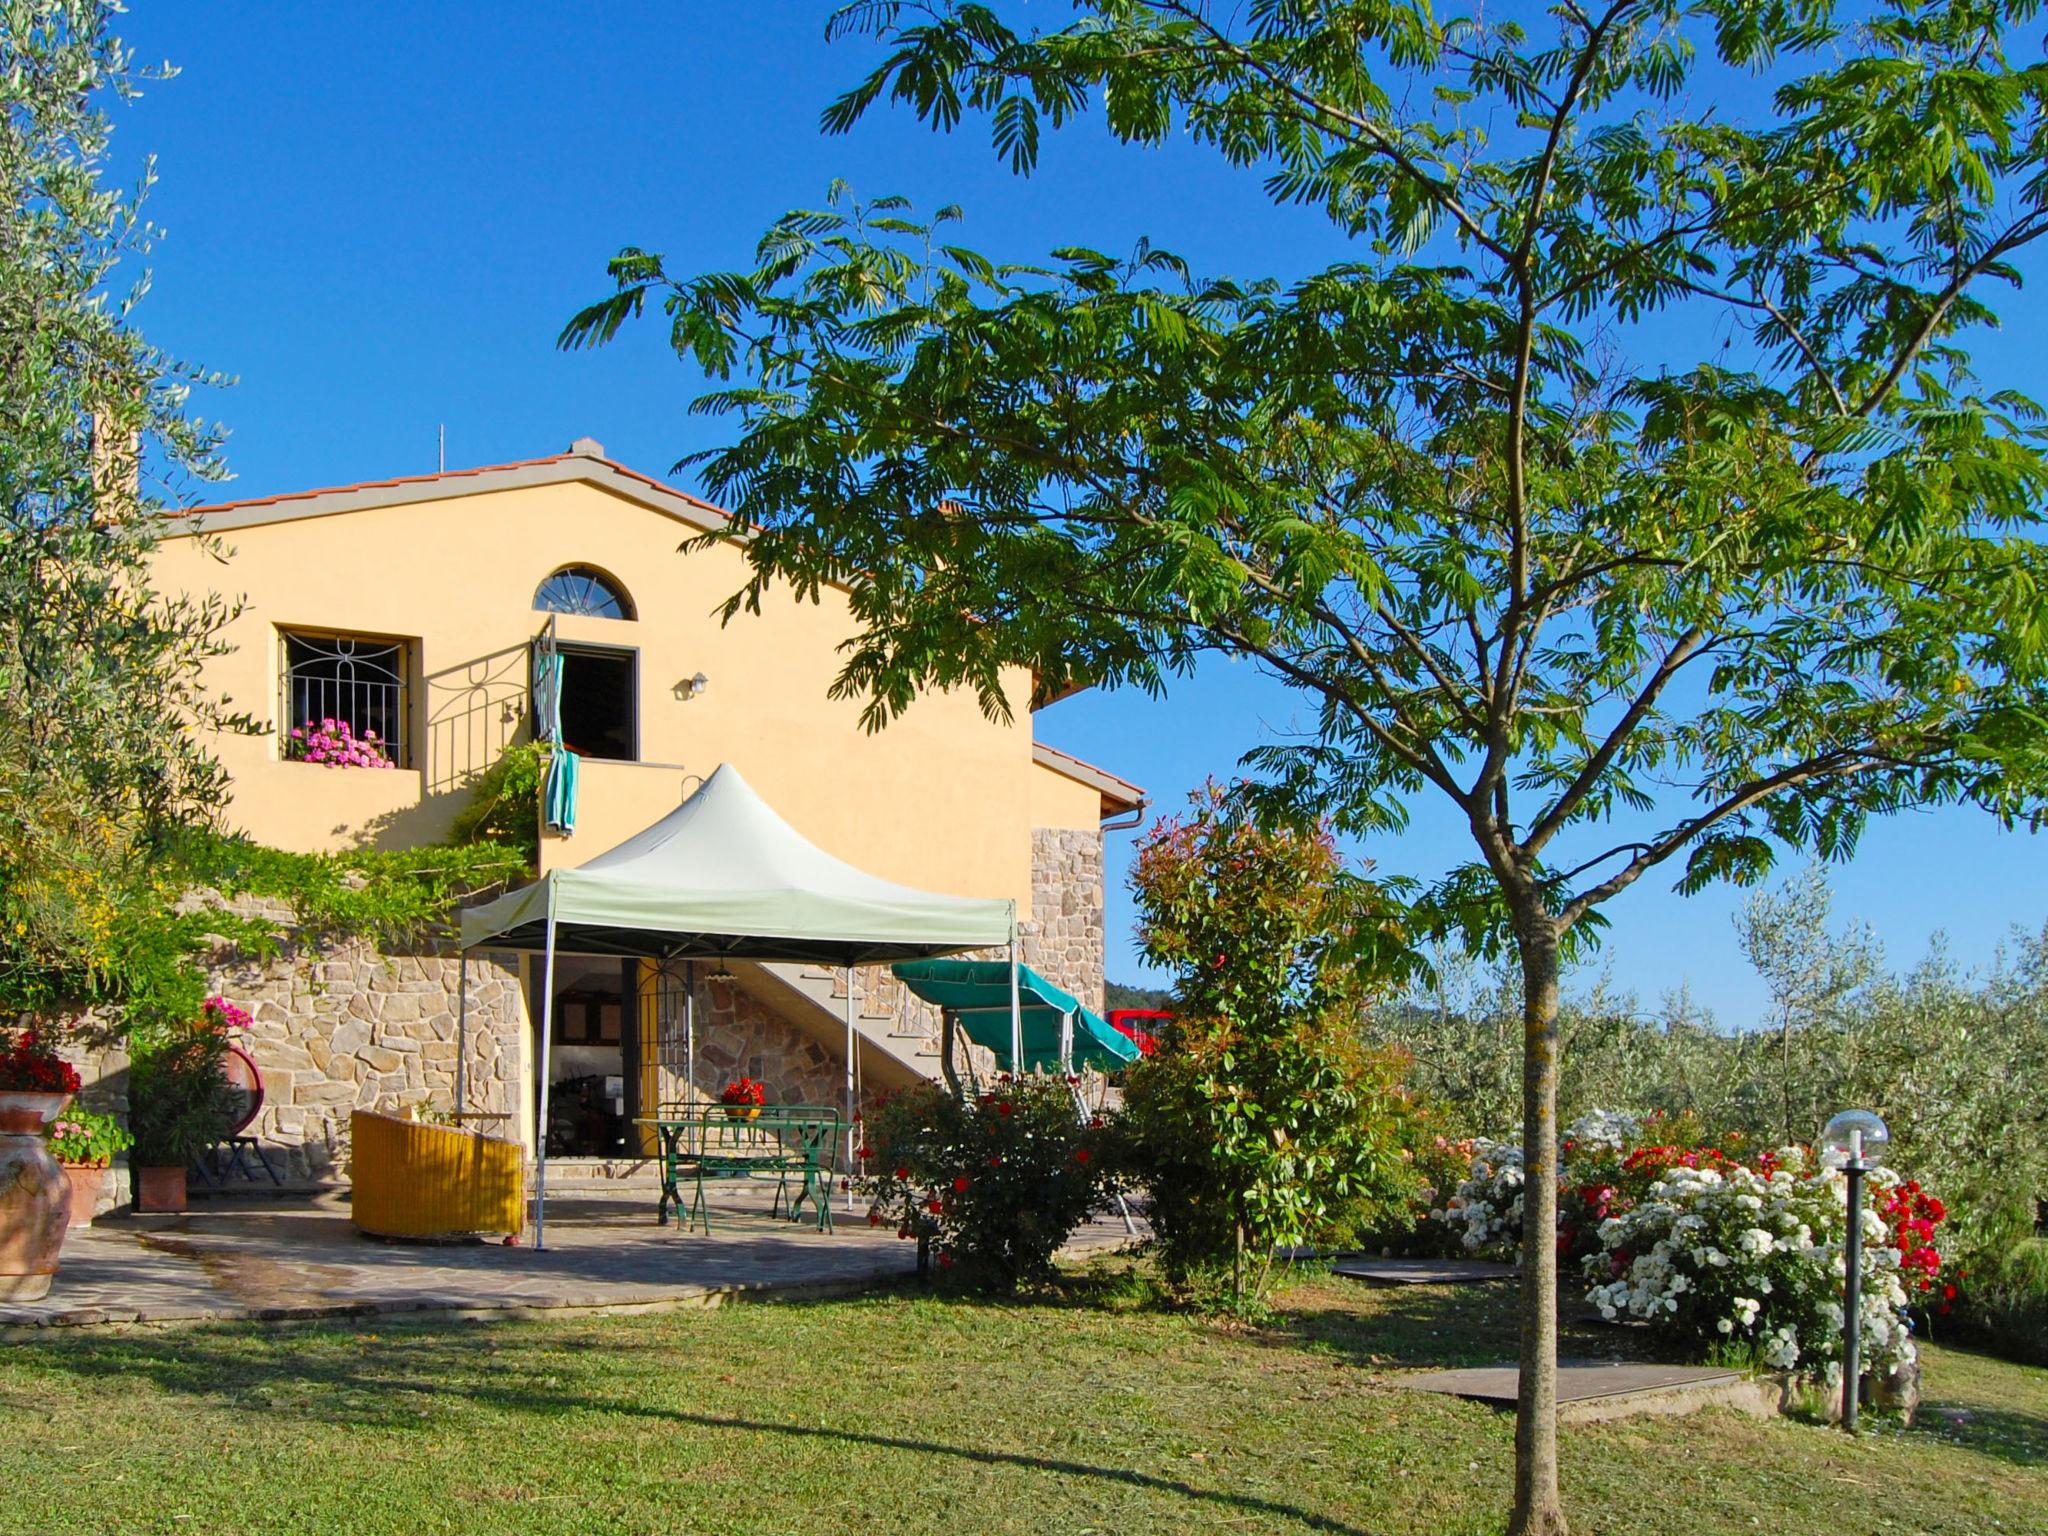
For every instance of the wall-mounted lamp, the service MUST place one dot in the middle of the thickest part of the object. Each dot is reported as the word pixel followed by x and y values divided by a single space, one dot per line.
pixel 691 687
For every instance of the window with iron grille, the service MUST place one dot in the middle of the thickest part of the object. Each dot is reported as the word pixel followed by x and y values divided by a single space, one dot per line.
pixel 358 682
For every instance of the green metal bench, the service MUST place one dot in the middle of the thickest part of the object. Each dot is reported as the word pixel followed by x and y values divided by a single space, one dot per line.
pixel 795 1143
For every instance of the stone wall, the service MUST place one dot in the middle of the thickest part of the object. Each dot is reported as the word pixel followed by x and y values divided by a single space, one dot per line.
pixel 348 1026
pixel 738 1035
pixel 1063 941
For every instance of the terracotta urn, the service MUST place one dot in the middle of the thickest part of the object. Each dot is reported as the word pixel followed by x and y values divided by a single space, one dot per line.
pixel 87 1179
pixel 160 1189
pixel 35 1197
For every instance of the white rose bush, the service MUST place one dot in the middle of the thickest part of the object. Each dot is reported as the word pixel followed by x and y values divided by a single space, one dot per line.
pixel 1732 1251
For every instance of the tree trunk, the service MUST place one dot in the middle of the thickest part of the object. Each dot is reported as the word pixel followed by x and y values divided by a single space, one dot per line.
pixel 1538 1510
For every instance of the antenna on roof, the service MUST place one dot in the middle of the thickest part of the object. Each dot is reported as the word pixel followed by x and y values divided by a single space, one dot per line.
pixel 442 467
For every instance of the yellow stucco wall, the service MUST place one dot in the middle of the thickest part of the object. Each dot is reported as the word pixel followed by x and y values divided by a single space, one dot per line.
pixel 1059 801
pixel 942 799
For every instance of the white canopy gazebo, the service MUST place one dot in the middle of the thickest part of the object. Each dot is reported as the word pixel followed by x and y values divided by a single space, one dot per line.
pixel 721 877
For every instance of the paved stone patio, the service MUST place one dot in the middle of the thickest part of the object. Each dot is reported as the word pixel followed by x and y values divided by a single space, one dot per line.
pixel 285 1261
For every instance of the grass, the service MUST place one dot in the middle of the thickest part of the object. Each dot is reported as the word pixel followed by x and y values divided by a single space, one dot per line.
pixel 905 1414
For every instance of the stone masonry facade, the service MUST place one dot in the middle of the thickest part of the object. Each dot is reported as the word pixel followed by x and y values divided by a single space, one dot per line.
pixel 349 1025
pixel 1063 941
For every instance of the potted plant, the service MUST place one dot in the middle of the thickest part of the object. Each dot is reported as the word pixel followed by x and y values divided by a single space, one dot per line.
pixel 742 1098
pixel 181 1102
pixel 84 1142
pixel 35 1197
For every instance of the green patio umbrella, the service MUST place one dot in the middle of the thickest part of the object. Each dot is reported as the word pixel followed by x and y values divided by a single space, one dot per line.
pixel 1058 1032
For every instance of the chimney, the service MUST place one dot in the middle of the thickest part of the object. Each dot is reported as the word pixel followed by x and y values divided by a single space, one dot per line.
pixel 589 447
pixel 116 464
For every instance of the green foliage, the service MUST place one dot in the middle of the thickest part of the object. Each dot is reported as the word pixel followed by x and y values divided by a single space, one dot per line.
pixel 995 1182
pixel 2002 1299
pixel 1957 1064
pixel 87 1137
pixel 1260 1122
pixel 148 971
pixel 99 673
pixel 180 1101
pixel 1630 464
pixel 504 803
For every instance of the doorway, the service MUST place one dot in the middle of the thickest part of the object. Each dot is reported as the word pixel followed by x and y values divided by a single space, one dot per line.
pixel 593 1058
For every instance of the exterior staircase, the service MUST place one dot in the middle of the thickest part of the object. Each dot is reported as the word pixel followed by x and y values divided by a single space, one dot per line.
pixel 821 990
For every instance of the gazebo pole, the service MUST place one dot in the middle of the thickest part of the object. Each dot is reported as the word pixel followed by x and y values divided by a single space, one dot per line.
pixel 461 1033
pixel 1067 1043
pixel 690 1031
pixel 547 1035
pixel 850 1048
pixel 1016 1013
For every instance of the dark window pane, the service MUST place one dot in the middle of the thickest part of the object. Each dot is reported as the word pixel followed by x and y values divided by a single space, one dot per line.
pixel 598 716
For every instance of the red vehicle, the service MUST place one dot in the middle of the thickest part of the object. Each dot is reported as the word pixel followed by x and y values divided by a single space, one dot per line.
pixel 1131 1022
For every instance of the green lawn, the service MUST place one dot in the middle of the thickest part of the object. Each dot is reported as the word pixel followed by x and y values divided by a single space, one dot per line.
pixel 897 1413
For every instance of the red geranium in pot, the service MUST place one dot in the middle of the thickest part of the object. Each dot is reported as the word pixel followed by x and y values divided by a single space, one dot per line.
pixel 743 1098
pixel 35 1196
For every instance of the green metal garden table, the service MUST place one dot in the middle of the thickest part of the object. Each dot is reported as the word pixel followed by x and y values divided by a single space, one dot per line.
pixel 796 1143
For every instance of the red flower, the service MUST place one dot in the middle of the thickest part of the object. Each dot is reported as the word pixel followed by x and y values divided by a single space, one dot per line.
pixel 960 1184
pixel 902 1173
pixel 933 1206
pixel 1080 1154
pixel 995 1162
pixel 1003 1108
pixel 31 1065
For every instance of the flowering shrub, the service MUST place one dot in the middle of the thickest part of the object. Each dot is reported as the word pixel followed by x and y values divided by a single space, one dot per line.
pixel 1607 1167
pixel 86 1138
pixel 222 1016
pixel 743 1091
pixel 1714 1243
pixel 181 1101
pixel 335 743
pixel 1486 1208
pixel 1260 1121
pixel 995 1183
pixel 1753 1256
pixel 30 1064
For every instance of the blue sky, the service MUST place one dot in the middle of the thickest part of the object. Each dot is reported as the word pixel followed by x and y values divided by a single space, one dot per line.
pixel 378 216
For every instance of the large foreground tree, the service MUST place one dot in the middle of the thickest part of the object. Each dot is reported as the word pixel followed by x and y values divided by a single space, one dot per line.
pixel 99 678
pixel 1628 489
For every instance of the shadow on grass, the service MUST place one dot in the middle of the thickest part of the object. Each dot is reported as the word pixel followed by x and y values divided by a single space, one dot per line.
pixel 376 1379
pixel 2019 1438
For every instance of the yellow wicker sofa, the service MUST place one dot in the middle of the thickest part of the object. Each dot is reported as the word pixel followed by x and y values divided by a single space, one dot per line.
pixel 414 1180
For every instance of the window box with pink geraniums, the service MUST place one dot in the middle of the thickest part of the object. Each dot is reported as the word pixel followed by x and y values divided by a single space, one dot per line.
pixel 335 744
pixel 35 1196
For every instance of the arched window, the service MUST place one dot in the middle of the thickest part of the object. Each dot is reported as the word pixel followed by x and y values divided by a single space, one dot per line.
pixel 583 589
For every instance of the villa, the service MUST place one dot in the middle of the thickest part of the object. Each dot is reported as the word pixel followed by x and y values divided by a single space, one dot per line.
pixel 417 612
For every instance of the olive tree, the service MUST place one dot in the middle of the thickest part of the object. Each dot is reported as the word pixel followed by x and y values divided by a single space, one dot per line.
pixel 99 673
pixel 1626 490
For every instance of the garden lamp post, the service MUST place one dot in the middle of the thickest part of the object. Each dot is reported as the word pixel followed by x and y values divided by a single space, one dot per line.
pixel 1861 1135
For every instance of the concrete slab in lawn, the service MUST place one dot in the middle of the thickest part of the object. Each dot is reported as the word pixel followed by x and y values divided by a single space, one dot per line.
pixel 1592 1390
pixel 1423 1271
